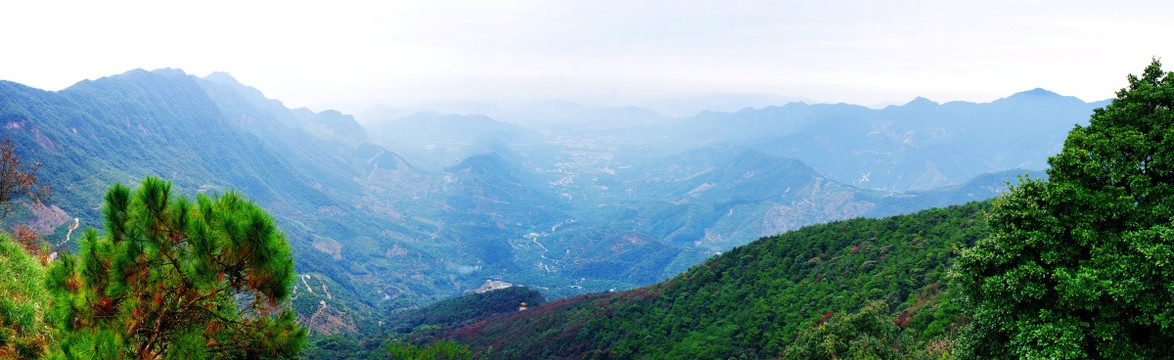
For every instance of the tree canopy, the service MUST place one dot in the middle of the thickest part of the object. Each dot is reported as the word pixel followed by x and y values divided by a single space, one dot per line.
pixel 172 278
pixel 1080 266
pixel 868 334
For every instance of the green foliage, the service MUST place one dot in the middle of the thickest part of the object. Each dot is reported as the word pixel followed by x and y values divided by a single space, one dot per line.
pixel 176 278
pixel 439 350
pixel 126 127
pixel 754 300
pixel 15 180
pixel 423 323
pixel 24 329
pixel 382 235
pixel 332 347
pixel 867 334
pixel 1079 266
pixel 465 309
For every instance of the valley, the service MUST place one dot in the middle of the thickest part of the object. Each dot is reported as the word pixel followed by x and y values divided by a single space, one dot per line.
pixel 378 180
pixel 388 214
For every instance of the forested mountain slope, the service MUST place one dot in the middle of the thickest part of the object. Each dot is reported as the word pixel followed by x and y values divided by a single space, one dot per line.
pixel 752 301
pixel 210 136
pixel 562 214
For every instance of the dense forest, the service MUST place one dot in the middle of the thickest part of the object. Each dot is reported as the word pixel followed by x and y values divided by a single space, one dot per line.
pixel 752 302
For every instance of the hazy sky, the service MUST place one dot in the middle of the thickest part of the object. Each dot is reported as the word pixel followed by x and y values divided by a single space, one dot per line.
pixel 352 54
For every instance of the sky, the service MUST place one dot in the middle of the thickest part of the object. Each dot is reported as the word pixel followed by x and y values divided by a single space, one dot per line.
pixel 351 55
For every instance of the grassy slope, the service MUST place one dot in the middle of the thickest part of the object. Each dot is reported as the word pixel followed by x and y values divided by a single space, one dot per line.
pixel 23 301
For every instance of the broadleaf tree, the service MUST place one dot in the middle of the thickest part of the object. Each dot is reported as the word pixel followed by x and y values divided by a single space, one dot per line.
pixel 1081 265
pixel 867 334
pixel 172 278
pixel 16 180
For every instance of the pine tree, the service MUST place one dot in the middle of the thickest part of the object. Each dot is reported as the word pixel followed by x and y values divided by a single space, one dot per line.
pixel 177 279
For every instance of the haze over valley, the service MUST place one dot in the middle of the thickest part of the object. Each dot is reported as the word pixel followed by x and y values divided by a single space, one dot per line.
pixel 568 180
pixel 403 211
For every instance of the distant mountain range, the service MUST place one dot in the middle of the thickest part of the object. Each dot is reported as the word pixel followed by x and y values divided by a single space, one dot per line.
pixel 552 112
pixel 692 105
pixel 919 146
pixel 431 140
pixel 573 200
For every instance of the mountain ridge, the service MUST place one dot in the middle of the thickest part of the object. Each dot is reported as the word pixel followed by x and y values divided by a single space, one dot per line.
pixel 565 212
pixel 753 300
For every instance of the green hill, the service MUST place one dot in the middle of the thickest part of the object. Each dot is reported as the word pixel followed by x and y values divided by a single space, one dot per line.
pixel 466 309
pixel 752 301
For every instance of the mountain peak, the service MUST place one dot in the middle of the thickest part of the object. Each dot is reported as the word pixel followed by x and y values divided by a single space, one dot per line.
pixel 221 77
pixel 1037 92
pixel 155 80
pixel 170 72
pixel 918 102
pixel 921 101
pixel 482 163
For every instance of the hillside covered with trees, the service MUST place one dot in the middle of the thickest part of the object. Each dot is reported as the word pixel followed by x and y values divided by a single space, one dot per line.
pixel 564 211
pixel 1075 266
pixel 754 300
